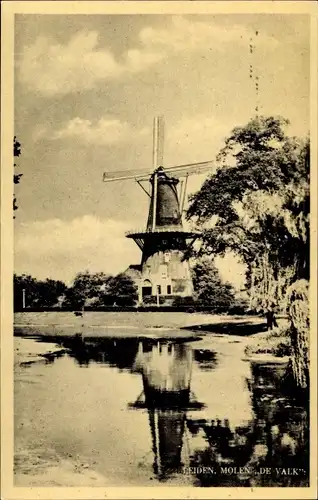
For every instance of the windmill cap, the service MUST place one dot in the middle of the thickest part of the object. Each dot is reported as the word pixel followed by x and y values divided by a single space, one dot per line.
pixel 163 176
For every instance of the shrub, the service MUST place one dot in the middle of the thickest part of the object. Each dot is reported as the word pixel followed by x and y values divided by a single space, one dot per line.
pixel 183 301
pixel 298 312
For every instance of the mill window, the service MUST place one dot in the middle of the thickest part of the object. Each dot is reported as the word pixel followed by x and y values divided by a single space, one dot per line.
pixel 168 289
pixel 166 257
pixel 164 271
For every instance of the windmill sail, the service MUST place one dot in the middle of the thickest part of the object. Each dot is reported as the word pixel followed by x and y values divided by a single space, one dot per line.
pixel 177 171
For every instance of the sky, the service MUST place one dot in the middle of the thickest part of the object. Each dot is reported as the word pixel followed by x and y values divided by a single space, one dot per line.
pixel 87 88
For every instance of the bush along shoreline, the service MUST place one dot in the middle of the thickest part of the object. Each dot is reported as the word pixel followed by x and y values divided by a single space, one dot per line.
pixel 289 341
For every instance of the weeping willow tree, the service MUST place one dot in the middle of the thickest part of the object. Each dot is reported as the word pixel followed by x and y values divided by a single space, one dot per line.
pixel 298 300
pixel 256 205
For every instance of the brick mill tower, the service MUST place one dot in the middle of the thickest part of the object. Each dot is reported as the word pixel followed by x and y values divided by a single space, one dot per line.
pixel 163 272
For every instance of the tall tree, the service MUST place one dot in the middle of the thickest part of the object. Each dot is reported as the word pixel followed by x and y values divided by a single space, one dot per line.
pixel 24 291
pixel 257 205
pixel 209 289
pixel 30 292
pixel 85 286
pixel 120 290
pixel 49 292
pixel 102 289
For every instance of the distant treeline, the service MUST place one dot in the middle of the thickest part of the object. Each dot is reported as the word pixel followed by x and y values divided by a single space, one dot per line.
pixel 99 291
pixel 87 290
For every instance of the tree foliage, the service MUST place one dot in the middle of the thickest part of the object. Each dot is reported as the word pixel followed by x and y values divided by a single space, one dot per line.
pixel 16 177
pixel 99 289
pixel 257 205
pixel 120 290
pixel 209 289
pixel 37 293
pixel 299 314
pixel 87 289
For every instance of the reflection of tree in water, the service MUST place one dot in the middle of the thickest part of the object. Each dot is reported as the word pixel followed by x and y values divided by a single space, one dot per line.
pixel 277 438
pixel 226 448
pixel 121 352
pixel 205 359
pixel 281 423
pixel 117 352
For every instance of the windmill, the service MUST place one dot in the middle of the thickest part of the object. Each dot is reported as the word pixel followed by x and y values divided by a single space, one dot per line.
pixel 163 271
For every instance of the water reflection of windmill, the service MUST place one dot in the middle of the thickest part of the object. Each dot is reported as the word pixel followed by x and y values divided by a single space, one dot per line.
pixel 166 373
pixel 162 271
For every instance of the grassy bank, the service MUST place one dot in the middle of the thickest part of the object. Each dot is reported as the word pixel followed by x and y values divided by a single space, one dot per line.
pixel 275 342
pixel 128 324
pixel 103 321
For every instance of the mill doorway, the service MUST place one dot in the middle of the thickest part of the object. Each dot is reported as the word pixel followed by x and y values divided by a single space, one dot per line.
pixel 146 289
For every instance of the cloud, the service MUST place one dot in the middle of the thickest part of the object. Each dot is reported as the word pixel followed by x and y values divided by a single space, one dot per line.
pixel 203 133
pixel 193 139
pixel 104 131
pixel 189 34
pixel 197 128
pixel 59 249
pixel 39 131
pixel 52 68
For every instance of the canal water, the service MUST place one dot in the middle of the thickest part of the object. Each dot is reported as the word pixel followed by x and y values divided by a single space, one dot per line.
pixel 141 412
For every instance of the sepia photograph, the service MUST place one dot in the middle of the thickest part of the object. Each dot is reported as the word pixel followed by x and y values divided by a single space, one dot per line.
pixel 161 249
